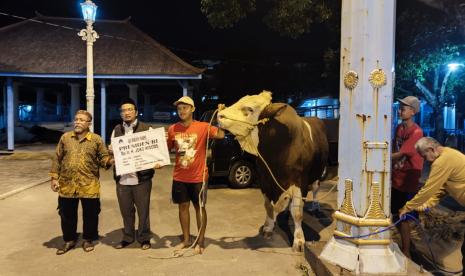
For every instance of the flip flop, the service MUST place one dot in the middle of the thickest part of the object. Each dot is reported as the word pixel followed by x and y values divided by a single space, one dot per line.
pixel 87 246
pixel 67 247
pixel 145 245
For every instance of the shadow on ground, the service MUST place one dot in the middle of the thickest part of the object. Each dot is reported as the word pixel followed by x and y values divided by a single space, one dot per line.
pixel 285 228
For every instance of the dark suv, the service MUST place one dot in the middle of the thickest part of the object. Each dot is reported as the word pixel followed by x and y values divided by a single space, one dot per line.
pixel 226 158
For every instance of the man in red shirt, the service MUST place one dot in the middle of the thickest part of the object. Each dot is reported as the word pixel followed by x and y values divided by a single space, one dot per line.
pixel 189 138
pixel 406 164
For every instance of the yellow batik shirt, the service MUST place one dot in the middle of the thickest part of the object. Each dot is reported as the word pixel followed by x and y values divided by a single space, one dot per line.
pixel 77 165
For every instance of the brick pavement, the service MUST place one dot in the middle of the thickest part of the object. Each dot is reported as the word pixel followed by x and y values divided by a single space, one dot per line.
pixel 26 167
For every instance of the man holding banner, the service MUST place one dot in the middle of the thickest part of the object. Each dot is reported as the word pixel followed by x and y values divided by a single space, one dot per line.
pixel 135 145
pixel 189 138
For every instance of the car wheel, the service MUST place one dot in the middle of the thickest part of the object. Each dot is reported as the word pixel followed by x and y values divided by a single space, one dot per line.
pixel 241 175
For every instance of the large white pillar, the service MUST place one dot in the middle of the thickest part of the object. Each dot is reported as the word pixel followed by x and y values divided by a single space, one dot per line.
pixel 10 114
pixel 103 109
pixel 39 103
pixel 366 87
pixel 133 91
pixel 75 100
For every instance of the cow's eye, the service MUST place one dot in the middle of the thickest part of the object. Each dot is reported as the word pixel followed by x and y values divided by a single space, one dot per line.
pixel 247 111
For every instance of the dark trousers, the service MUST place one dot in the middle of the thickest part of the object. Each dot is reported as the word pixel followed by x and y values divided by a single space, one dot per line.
pixel 131 197
pixel 68 210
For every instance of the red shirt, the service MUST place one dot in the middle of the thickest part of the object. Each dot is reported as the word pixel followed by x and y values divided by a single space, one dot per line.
pixel 406 172
pixel 190 144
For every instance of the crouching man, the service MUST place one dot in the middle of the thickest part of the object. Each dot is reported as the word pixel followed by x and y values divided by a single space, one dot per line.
pixel 447 177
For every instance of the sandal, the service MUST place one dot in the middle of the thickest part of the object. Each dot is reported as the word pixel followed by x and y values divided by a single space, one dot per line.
pixel 145 245
pixel 67 247
pixel 87 246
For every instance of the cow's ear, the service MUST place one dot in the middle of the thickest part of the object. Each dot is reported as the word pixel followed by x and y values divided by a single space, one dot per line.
pixel 273 110
pixel 267 95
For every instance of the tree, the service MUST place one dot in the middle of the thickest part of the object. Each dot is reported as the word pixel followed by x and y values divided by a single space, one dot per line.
pixel 452 8
pixel 291 18
pixel 314 73
pixel 427 42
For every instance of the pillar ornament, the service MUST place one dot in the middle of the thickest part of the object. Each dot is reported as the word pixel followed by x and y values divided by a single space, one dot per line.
pixel 88 34
pixel 375 209
pixel 377 78
pixel 350 79
pixel 347 206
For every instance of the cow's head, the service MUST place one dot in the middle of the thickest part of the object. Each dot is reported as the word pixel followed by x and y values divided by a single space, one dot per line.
pixel 241 119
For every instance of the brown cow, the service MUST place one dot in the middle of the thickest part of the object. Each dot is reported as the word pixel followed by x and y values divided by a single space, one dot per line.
pixel 294 148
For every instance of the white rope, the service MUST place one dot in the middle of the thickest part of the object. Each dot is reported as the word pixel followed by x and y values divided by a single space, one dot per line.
pixel 305 199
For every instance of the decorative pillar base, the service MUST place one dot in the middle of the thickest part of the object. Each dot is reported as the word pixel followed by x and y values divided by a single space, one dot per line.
pixel 366 259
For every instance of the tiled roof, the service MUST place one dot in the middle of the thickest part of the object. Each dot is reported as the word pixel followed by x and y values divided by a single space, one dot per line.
pixel 30 47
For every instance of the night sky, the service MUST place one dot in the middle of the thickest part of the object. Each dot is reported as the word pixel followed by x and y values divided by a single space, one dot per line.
pixel 253 57
pixel 181 26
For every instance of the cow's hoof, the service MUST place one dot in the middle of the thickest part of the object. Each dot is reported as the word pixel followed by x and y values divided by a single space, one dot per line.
pixel 267 235
pixel 298 246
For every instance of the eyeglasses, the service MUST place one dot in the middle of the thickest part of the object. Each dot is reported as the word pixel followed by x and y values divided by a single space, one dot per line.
pixel 81 120
pixel 126 110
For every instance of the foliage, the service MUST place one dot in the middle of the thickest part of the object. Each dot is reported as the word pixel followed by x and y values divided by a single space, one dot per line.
pixel 290 18
pixel 293 18
pixel 226 13
pixel 426 43
pixel 427 40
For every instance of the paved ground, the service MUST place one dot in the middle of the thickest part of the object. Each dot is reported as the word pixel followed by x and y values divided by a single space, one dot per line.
pixel 31 231
pixel 26 167
pixel 31 234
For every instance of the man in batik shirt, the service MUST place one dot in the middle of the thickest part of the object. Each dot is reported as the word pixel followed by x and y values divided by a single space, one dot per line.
pixel 75 176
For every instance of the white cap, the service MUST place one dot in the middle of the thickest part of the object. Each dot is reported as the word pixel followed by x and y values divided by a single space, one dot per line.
pixel 184 100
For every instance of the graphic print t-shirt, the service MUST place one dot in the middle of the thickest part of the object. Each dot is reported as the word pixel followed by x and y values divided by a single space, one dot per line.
pixel 407 171
pixel 190 145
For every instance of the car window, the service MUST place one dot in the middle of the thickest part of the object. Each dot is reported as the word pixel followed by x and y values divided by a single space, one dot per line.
pixel 206 117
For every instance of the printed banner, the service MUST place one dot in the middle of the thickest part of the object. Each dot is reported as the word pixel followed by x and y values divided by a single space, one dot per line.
pixel 140 151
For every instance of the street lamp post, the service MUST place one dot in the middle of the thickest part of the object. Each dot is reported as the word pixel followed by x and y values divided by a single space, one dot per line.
pixel 89 10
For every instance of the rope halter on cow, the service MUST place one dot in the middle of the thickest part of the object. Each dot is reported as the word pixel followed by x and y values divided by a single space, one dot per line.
pixel 250 141
pixel 251 126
